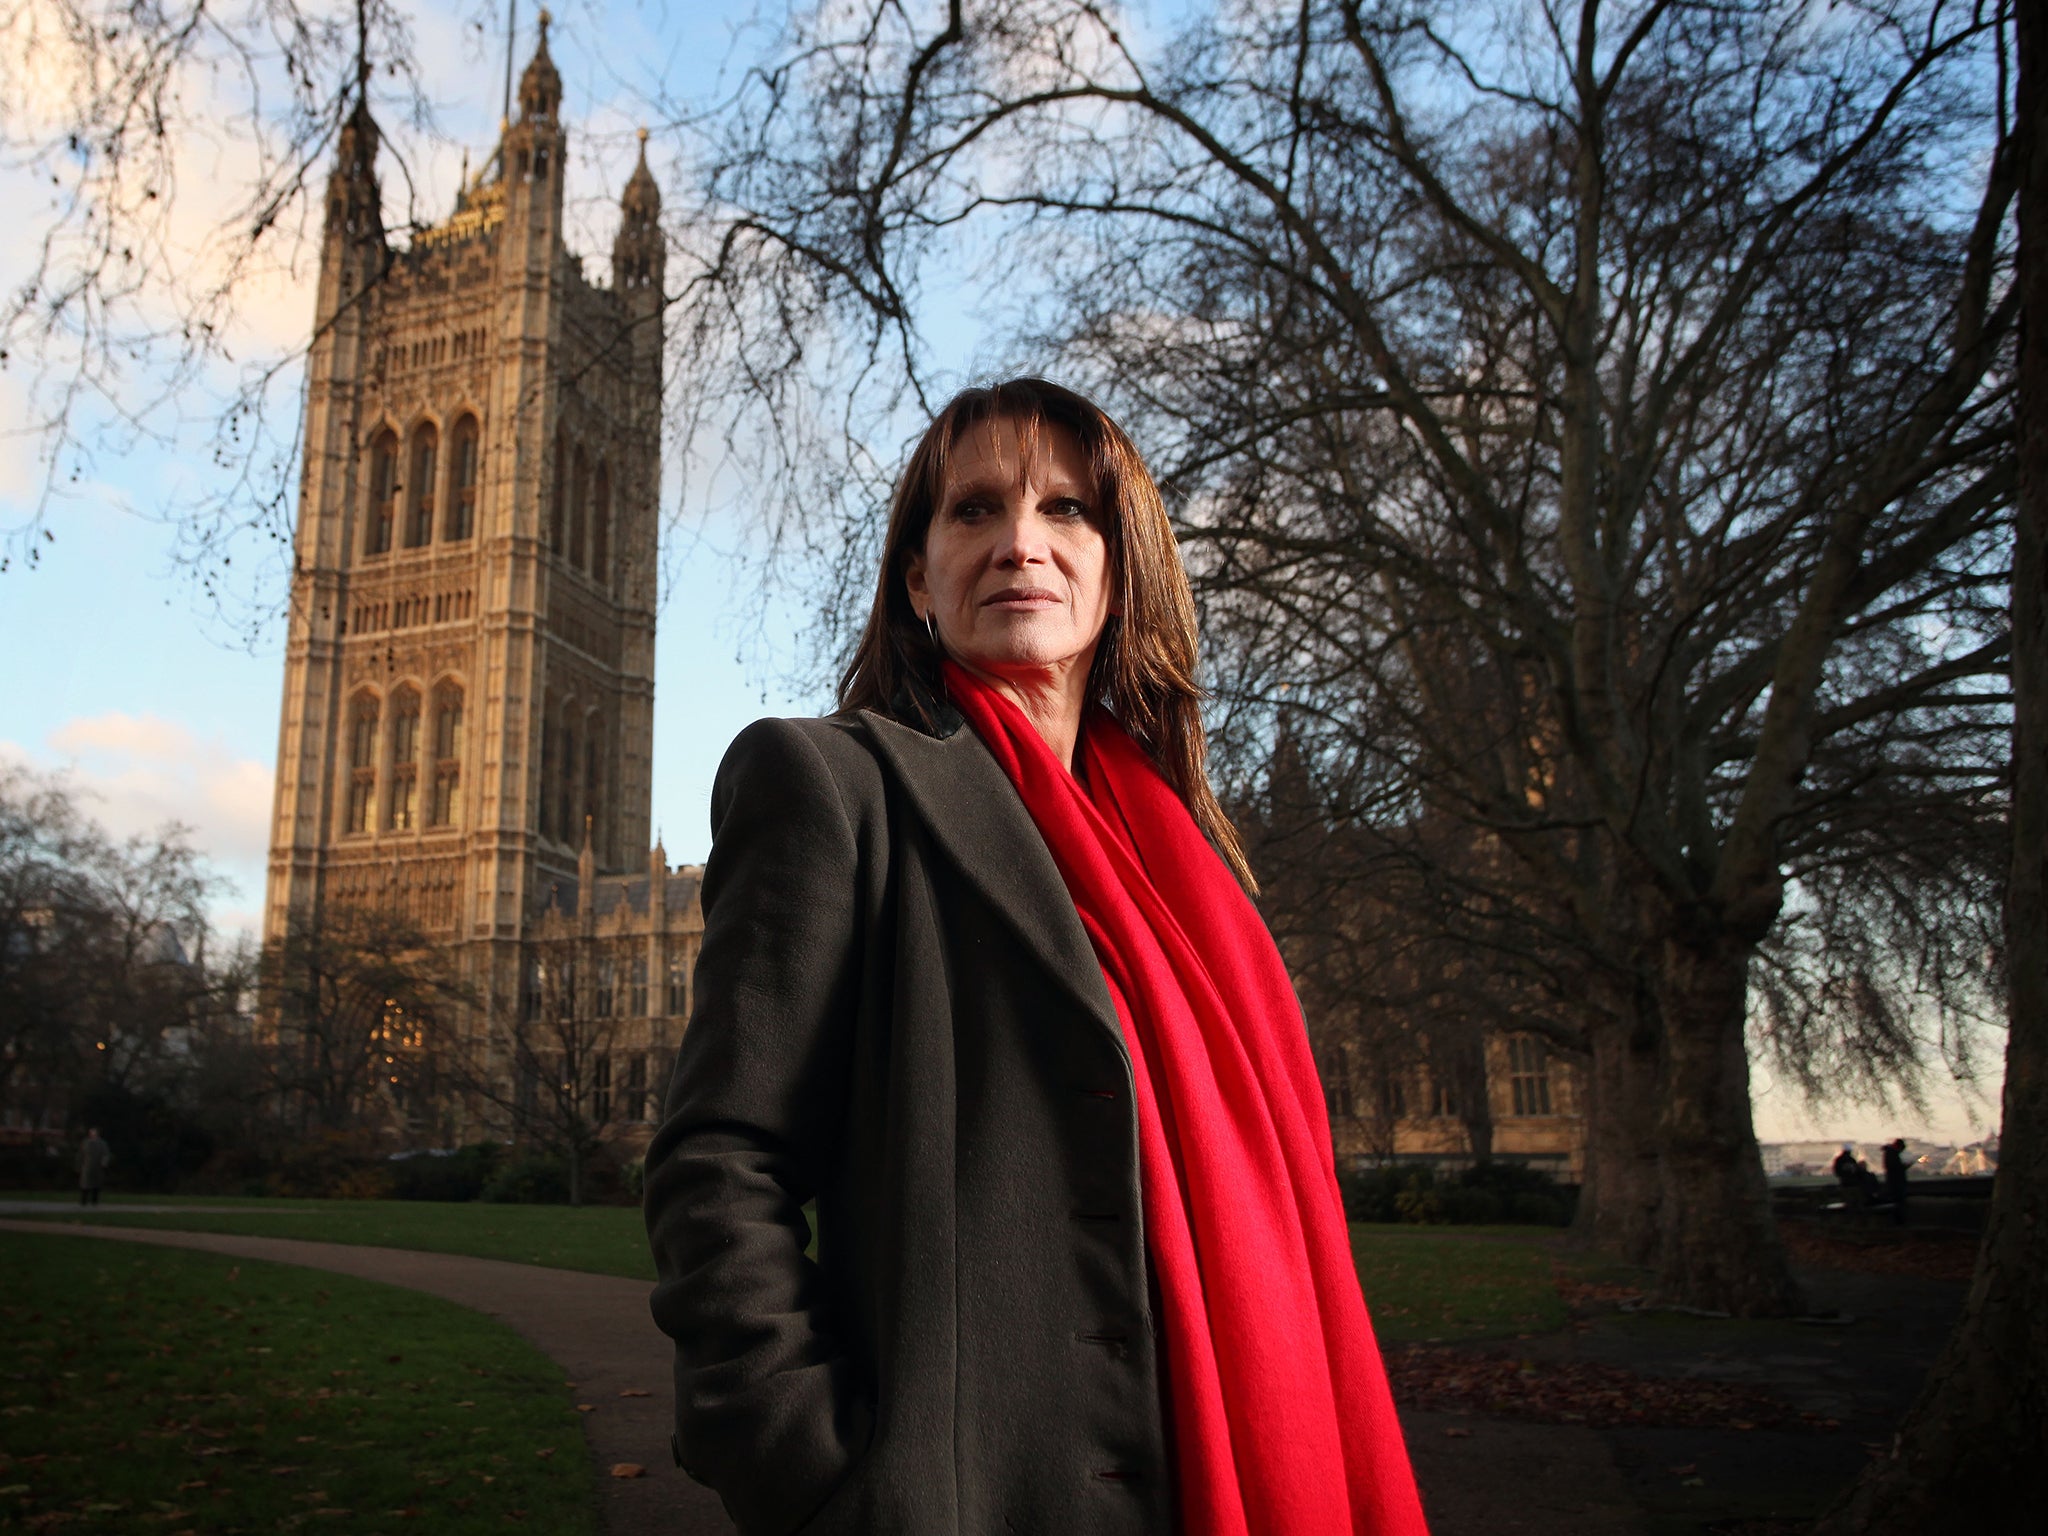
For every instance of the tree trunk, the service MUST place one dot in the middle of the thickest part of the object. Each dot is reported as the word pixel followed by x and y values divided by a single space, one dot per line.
pixel 575 1174
pixel 1970 1455
pixel 1718 1245
pixel 1621 1188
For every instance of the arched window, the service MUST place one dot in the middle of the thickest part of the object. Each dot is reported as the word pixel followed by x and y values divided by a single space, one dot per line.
pixel 362 762
pixel 464 448
pixel 601 527
pixel 383 494
pixel 555 499
pixel 579 491
pixel 593 787
pixel 403 808
pixel 447 755
pixel 419 494
pixel 544 796
pixel 565 787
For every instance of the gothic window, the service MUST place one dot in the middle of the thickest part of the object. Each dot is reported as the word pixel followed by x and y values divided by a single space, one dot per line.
pixel 636 999
pixel 579 493
pixel 529 993
pixel 555 498
pixel 1529 1074
pixel 419 494
pixel 405 761
pixel 565 786
pixel 600 527
pixel 601 1088
pixel 607 983
pixel 383 493
pixel 447 755
pixel 545 794
pixel 362 763
pixel 462 477
pixel 678 987
pixel 593 786
pixel 636 1086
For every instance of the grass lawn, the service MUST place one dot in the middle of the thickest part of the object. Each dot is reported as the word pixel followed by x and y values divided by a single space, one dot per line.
pixel 605 1239
pixel 151 1390
pixel 1422 1283
pixel 1429 1284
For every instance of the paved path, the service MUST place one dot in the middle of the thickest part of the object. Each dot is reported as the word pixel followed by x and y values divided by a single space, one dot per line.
pixel 595 1327
pixel 1479 1477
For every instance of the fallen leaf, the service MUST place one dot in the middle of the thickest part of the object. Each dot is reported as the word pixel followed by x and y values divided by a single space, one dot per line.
pixel 634 1392
pixel 545 1452
pixel 1458 1434
pixel 628 1469
pixel 586 1407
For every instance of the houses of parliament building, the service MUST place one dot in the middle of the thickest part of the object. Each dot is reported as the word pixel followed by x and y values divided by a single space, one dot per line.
pixel 467 725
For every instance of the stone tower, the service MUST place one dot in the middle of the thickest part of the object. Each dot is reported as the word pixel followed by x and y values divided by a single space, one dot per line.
pixel 469 681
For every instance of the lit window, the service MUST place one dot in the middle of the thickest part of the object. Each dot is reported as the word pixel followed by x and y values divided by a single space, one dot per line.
pixel 1529 1074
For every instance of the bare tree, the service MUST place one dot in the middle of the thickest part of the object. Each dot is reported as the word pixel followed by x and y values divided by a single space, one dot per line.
pixel 1968 1458
pixel 1615 399
pixel 357 1012
pixel 103 979
pixel 124 330
pixel 546 1067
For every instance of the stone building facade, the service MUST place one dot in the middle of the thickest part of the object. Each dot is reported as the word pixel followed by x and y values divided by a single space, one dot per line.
pixel 467 724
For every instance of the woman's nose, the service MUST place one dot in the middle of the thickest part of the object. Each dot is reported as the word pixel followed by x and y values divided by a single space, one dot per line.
pixel 1023 539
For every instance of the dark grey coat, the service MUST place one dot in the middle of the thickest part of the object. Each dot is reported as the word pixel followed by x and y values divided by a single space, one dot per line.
pixel 899 1015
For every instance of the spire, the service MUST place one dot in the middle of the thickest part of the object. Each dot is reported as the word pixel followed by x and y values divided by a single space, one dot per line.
pixel 639 255
pixel 642 198
pixel 354 204
pixel 540 88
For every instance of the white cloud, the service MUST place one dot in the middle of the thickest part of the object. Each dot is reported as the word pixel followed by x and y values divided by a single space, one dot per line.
pixel 135 773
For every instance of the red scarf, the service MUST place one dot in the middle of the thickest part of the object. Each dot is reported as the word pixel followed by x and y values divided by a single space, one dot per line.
pixel 1281 1421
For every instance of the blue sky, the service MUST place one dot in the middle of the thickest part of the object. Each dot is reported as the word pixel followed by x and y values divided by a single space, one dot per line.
pixel 121 672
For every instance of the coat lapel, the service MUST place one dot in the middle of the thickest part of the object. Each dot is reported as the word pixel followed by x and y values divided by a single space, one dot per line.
pixel 974 813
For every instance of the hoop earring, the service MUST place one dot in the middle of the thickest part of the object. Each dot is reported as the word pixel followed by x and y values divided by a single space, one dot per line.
pixel 932 625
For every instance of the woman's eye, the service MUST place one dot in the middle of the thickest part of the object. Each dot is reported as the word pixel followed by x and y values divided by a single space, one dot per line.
pixel 1069 506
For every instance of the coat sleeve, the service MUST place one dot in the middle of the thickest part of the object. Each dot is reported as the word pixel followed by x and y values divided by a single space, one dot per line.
pixel 769 1411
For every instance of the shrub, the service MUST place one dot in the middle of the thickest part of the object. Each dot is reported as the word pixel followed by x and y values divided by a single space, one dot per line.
pixel 462 1174
pixel 1480 1195
pixel 535 1179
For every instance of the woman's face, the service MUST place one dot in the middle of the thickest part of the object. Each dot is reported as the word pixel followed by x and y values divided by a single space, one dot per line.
pixel 1015 565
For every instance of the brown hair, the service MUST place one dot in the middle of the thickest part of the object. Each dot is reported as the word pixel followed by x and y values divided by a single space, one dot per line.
pixel 1144 668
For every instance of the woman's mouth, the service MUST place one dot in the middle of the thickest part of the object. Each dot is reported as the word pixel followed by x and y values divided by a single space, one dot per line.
pixel 1021 599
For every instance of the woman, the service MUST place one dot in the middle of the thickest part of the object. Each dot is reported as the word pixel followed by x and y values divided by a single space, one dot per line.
pixel 977 979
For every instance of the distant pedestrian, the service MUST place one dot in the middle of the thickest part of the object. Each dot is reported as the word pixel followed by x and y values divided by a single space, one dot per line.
pixel 1846 1168
pixel 93 1158
pixel 1895 1177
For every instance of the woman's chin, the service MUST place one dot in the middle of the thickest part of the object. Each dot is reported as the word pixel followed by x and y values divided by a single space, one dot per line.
pixel 1022 655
